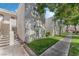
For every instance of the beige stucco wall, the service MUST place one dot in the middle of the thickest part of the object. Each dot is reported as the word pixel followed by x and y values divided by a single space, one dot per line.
pixel 20 21
pixel 5 23
pixel 7 14
pixel 5 29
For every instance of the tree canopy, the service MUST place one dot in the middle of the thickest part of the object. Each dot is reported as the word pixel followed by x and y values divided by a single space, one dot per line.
pixel 68 12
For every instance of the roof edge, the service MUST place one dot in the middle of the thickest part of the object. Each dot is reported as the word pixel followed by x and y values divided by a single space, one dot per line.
pixel 7 11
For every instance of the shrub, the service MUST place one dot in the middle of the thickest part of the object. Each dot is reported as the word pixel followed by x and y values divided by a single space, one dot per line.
pixel 48 34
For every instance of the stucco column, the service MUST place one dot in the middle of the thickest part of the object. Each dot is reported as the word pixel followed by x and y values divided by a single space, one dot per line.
pixel 11 34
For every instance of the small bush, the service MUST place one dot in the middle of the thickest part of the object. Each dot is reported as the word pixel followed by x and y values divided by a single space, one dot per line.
pixel 48 34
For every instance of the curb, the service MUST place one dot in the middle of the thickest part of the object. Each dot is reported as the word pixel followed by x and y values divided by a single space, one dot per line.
pixel 26 48
pixel 25 51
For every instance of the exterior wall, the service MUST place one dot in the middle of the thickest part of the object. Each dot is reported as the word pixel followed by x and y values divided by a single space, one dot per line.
pixel 33 25
pixel 20 21
pixel 5 22
pixel 49 24
pixel 53 27
pixel 77 27
pixel 29 26
pixel 5 25
pixel 5 29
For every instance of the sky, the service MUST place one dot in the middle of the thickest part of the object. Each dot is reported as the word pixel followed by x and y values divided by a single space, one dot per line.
pixel 13 7
pixel 9 6
pixel 48 13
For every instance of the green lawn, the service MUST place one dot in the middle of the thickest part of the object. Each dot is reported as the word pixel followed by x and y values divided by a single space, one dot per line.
pixel 74 47
pixel 39 46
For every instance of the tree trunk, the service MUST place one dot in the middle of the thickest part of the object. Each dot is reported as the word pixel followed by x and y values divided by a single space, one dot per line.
pixel 75 28
pixel 67 28
pixel 60 30
pixel 60 27
pixel 54 27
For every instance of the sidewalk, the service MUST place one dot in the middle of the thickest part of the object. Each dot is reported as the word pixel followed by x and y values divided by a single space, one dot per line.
pixel 59 49
pixel 15 50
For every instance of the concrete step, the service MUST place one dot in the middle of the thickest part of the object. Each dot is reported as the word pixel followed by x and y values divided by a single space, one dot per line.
pixel 3 45
pixel 4 39
pixel 3 42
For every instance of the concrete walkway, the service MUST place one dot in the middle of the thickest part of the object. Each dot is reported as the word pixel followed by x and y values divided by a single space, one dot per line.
pixel 15 50
pixel 61 48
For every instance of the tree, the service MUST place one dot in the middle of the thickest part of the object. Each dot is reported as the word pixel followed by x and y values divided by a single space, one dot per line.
pixel 67 12
pixel 75 22
pixel 40 8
